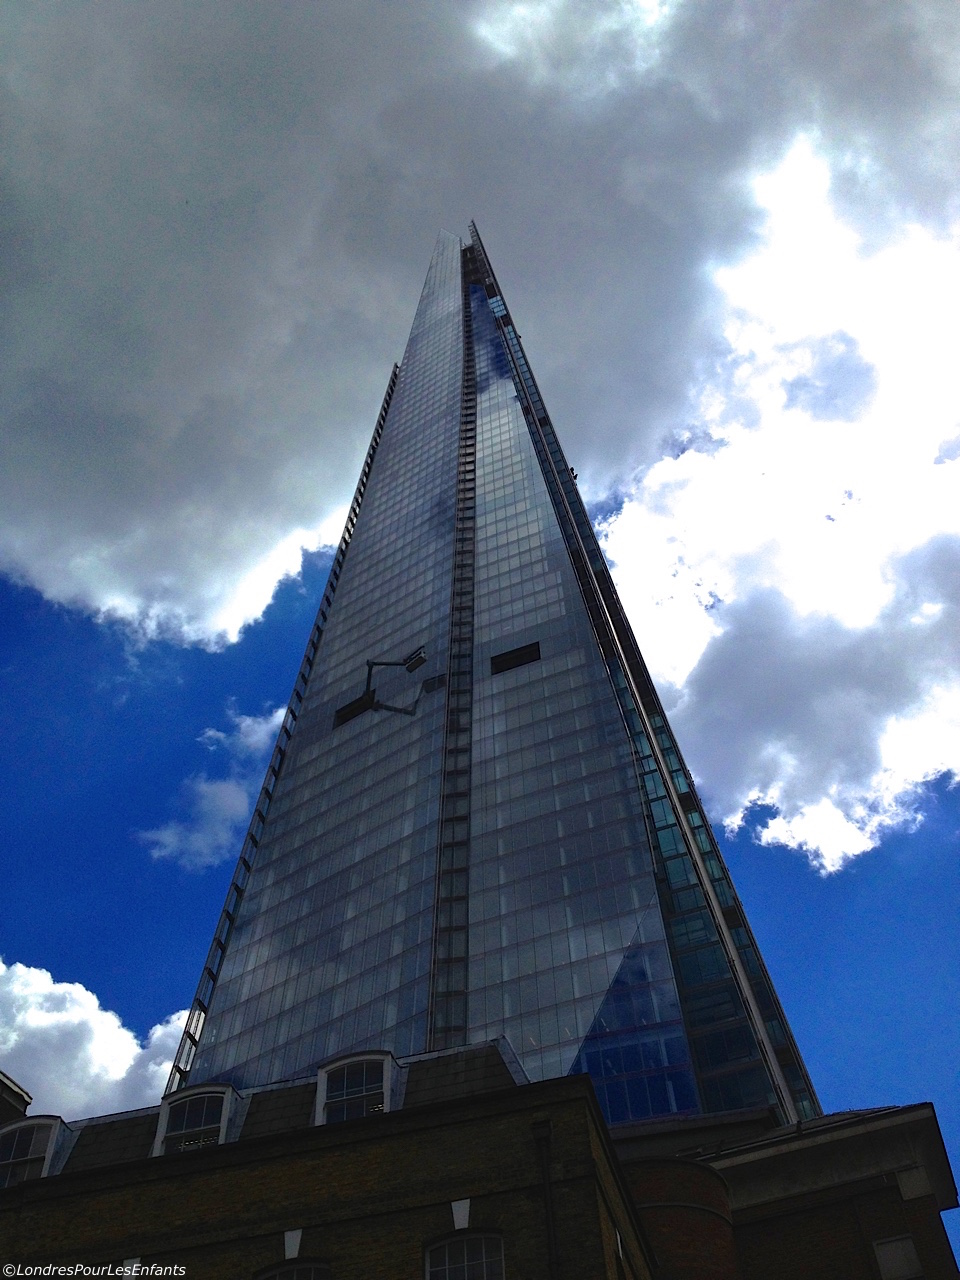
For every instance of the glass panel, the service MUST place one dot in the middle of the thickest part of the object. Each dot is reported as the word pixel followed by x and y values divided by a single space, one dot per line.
pixel 467 1258
pixel 356 1077
pixel 557 826
pixel 193 1123
pixel 354 1091
pixel 22 1153
pixel 331 950
pixel 200 1112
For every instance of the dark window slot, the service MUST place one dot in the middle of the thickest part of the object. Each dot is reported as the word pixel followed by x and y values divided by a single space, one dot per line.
pixel 515 658
pixel 350 710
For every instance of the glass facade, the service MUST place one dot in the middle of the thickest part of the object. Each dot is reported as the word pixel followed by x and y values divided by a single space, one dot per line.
pixel 505 840
pixel 332 946
pixel 563 899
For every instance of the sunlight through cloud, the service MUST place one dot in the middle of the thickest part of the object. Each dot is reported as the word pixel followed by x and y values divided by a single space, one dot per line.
pixel 817 470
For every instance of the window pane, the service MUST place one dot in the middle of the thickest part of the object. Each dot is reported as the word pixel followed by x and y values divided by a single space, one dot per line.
pixel 22 1152
pixel 202 1112
pixel 897 1259
pixel 468 1258
pixel 354 1091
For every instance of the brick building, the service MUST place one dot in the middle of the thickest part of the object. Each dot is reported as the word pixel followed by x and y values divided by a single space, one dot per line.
pixel 461 1163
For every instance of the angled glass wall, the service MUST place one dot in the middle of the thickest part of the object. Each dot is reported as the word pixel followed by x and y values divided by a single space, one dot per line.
pixel 496 835
pixel 331 948
pixel 563 896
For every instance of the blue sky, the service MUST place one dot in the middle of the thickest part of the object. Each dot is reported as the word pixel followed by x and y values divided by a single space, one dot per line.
pixel 99 755
pixel 731 236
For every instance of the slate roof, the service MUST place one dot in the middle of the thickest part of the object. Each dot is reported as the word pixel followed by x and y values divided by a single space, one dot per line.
pixel 113 1141
pixel 429 1080
pixel 279 1110
pixel 456 1075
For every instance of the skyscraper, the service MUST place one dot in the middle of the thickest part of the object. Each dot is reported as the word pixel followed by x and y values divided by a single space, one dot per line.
pixel 477 873
pixel 476 821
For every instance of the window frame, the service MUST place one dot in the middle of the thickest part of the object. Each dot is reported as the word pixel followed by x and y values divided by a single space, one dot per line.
pixel 884 1263
pixel 512 659
pixel 390 1078
pixel 55 1127
pixel 224 1091
pixel 457 1237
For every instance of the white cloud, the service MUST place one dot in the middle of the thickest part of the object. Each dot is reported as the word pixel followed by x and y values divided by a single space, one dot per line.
pixel 217 810
pixel 587 49
pixel 250 735
pixel 249 593
pixel 838 727
pixel 75 1058
pixel 795 579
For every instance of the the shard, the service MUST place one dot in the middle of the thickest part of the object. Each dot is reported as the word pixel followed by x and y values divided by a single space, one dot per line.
pixel 477 822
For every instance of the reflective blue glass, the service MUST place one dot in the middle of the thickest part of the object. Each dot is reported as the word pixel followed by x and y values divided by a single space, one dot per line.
pixel 497 836
pixel 567 943
pixel 332 947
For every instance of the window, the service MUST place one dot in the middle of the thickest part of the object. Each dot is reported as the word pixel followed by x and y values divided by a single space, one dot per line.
pixel 718 1005
pixel 897 1259
pixel 195 1122
pixel 355 1088
pixel 466 1258
pixel 717 1048
pixel 24 1151
pixel 192 1122
pixel 350 710
pixel 515 658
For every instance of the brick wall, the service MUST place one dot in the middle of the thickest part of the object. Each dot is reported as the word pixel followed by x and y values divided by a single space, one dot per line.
pixel 367 1194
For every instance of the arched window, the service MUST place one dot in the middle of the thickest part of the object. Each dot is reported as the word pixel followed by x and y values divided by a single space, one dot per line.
pixel 466 1258
pixel 24 1151
pixel 354 1088
pixel 192 1122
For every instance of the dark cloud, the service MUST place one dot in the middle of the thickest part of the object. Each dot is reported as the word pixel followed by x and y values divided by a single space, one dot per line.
pixel 218 217
pixel 840 384
pixel 793 708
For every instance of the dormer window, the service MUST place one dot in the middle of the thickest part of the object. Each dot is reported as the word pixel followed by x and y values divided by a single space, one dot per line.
pixel 195 1122
pixel 25 1149
pixel 192 1122
pixel 352 1089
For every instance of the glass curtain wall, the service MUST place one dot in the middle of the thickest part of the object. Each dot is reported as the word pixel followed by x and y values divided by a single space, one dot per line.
pixel 332 944
pixel 498 837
